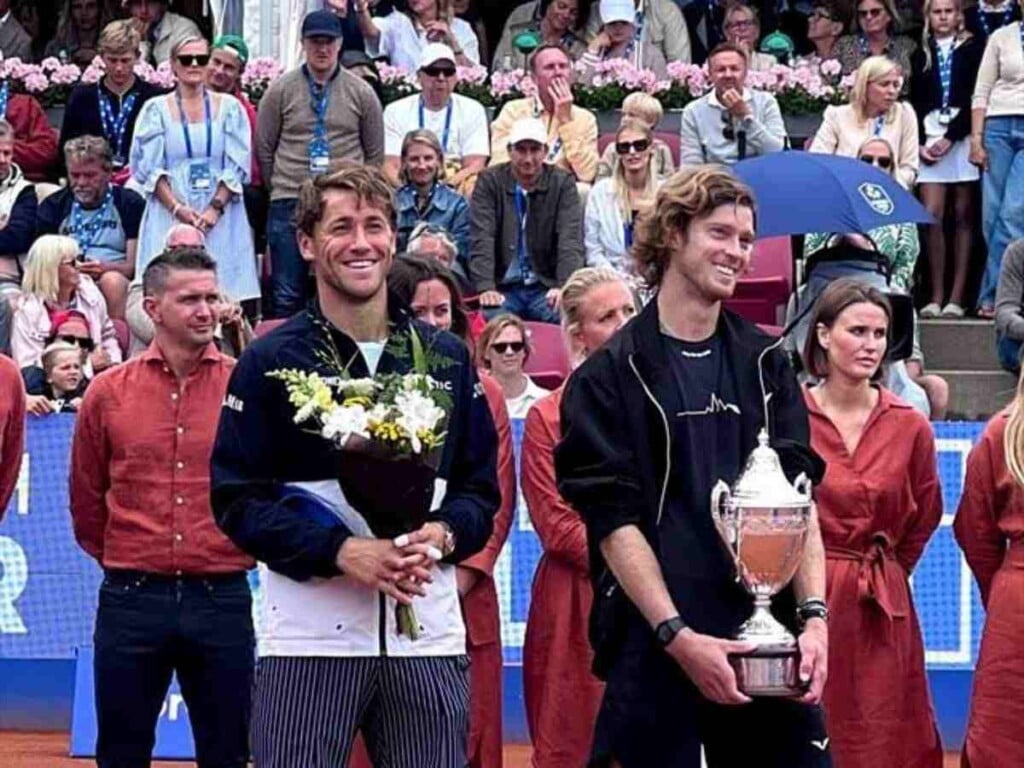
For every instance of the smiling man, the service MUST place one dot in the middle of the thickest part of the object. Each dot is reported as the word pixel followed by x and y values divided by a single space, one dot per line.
pixel 332 660
pixel 650 422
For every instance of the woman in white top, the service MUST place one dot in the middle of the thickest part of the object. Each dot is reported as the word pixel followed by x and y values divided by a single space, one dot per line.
pixel 502 350
pixel 402 34
pixel 873 112
pixel 613 203
pixel 997 146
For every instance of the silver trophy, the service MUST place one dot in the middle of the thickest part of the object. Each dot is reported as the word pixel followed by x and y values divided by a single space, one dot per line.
pixel 763 521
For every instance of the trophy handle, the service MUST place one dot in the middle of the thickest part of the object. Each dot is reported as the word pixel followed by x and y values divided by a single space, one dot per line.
pixel 719 494
pixel 803 485
pixel 727 529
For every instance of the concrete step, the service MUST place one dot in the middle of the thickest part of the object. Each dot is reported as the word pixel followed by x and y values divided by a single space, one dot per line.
pixel 976 395
pixel 959 345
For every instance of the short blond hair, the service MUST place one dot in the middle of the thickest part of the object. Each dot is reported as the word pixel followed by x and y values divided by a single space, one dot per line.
pixel 42 267
pixel 119 37
pixel 871 69
pixel 643 106
pixel 54 350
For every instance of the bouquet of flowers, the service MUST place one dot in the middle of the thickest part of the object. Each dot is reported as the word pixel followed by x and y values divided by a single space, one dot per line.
pixel 388 431
pixel 50 81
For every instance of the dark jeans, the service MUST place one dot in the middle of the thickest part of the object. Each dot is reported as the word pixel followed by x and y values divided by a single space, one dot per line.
pixel 289 275
pixel 256 201
pixel 1009 351
pixel 149 626
pixel 528 302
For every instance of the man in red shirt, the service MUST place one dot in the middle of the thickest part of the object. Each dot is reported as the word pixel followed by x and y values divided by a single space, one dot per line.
pixel 12 428
pixel 175 596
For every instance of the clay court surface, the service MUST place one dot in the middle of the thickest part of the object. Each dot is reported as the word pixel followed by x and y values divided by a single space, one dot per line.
pixel 49 750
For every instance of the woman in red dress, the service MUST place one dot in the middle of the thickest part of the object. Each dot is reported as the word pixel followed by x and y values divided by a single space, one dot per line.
pixel 562 696
pixel 989 526
pixel 878 504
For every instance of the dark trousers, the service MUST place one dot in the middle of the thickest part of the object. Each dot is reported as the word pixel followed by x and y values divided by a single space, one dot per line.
pixel 149 626
pixel 289 275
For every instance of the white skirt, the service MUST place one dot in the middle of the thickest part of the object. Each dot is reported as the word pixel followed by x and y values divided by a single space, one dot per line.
pixel 953 168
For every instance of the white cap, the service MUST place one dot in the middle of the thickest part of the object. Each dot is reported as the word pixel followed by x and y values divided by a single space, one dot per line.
pixel 435 52
pixel 528 129
pixel 617 10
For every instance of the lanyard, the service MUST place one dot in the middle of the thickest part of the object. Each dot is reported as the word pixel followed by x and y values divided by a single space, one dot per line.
pixel 522 214
pixel 944 56
pixel 114 128
pixel 185 125
pixel 85 232
pixel 627 232
pixel 639 24
pixel 5 92
pixel 865 49
pixel 983 21
pixel 319 99
pixel 447 123
pixel 556 147
pixel 879 122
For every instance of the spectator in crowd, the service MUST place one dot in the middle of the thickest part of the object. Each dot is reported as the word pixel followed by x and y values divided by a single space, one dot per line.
pixel 430 291
pixel 192 155
pixel 12 429
pixel 988 529
pixel 614 204
pixel 77 38
pixel 351 35
pixel 66 327
pixel 15 42
pixel 617 39
pixel 659 22
pixel 469 11
pixel 18 205
pixel 986 16
pixel 175 594
pixel 942 82
pixel 872 541
pixel 571 131
pixel 561 693
pixel 704 23
pixel 39 20
pixel 502 350
pixel 552 22
pixel 731 122
pixel 1010 308
pixel 648 110
pixel 111 107
pixel 52 283
pixel 436 243
pixel 424 197
pixel 874 111
pixel 159 29
pixel 997 147
pixel 35 141
pixel 102 217
pixel 878 28
pixel 64 381
pixel 459 121
pixel 825 26
pixel 402 35
pixel 263 462
pixel 308 118
pixel 742 28
pixel 526 233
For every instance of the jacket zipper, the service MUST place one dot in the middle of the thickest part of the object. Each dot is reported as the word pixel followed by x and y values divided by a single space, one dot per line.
pixel 668 439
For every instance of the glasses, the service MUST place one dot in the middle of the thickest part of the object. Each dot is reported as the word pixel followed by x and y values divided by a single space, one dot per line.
pixel 627 147
pixel 69 262
pixel 504 347
pixel 870 13
pixel 433 71
pixel 79 341
pixel 882 161
pixel 742 24
pixel 194 60
pixel 821 15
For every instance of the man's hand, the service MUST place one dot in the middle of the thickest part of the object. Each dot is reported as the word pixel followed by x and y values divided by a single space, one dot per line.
pixel 338 7
pixel 379 564
pixel 491 299
pixel 91 268
pixel 705 661
pixel 733 101
pixel 38 405
pixel 561 98
pixel 439 32
pixel 814 659
pixel 600 43
pixel 100 359
pixel 553 297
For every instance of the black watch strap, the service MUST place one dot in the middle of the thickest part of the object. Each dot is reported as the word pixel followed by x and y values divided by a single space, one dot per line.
pixel 666 631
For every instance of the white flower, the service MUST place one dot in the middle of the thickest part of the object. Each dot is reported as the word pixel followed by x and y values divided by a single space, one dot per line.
pixel 307 410
pixel 418 413
pixel 358 387
pixel 343 421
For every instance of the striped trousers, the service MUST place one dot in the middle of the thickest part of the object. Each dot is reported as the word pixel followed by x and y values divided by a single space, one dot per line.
pixel 412 712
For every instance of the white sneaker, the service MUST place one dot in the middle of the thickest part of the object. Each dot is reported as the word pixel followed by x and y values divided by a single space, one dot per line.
pixel 930 311
pixel 954 311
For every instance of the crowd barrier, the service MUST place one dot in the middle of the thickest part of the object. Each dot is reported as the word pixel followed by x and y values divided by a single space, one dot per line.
pixel 48 590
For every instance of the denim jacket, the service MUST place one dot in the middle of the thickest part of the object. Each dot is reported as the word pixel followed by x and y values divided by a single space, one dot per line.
pixel 446 208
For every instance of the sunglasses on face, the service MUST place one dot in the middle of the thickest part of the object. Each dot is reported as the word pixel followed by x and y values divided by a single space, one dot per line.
pixel 504 347
pixel 870 13
pixel 627 147
pixel 433 71
pixel 883 162
pixel 84 343
pixel 194 60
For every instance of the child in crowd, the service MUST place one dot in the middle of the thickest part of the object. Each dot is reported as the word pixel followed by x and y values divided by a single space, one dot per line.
pixel 65 381
pixel 647 109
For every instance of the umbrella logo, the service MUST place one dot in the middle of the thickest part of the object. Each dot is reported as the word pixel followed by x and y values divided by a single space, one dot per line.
pixel 877 198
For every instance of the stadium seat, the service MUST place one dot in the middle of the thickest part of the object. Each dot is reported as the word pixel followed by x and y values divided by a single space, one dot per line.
pixel 548 364
pixel 762 294
pixel 266 326
pixel 669 137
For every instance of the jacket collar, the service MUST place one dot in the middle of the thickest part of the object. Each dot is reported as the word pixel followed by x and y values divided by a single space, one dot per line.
pixel 153 354
pixel 510 182
pixel 439 199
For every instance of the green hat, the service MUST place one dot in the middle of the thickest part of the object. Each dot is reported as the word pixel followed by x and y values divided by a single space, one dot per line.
pixel 233 43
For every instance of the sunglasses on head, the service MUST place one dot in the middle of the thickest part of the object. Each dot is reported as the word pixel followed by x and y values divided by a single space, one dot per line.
pixel 435 71
pixel 870 13
pixel 504 347
pixel 882 161
pixel 78 341
pixel 626 147
pixel 194 60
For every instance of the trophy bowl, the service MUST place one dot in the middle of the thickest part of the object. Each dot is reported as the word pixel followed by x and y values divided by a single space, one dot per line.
pixel 764 521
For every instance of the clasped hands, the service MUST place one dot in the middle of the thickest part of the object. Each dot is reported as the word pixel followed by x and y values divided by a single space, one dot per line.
pixel 401 568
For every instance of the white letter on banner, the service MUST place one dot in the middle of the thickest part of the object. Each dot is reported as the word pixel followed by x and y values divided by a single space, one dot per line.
pixel 13 578
pixel 23 484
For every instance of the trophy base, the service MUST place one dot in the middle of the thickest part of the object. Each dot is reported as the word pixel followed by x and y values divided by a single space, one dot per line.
pixel 769 672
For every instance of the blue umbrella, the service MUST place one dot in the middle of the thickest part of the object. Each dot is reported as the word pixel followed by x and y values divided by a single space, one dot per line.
pixel 809 192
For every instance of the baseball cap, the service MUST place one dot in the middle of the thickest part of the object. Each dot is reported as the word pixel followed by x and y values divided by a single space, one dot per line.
pixel 617 10
pixel 528 129
pixel 321 24
pixel 233 43
pixel 435 52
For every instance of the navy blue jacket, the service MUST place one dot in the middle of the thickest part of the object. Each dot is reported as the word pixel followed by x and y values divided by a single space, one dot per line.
pixel 19 234
pixel 926 87
pixel 259 448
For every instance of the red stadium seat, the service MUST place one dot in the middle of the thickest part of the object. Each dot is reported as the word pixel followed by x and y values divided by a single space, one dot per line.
pixel 763 293
pixel 266 326
pixel 548 364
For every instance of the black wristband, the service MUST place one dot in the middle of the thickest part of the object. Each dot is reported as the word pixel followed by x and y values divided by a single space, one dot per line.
pixel 814 608
pixel 666 631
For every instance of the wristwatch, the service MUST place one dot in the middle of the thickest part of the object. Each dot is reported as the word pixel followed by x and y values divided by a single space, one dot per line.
pixel 449 539
pixel 666 631
pixel 812 608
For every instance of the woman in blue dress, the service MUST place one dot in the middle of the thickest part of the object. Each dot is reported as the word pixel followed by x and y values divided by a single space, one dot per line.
pixel 192 170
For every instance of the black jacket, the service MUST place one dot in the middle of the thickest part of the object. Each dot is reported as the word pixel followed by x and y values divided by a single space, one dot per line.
pixel 926 89
pixel 611 464
pixel 973 24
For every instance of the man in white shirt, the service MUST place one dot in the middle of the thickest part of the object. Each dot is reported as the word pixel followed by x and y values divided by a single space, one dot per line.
pixel 459 122
pixel 731 122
